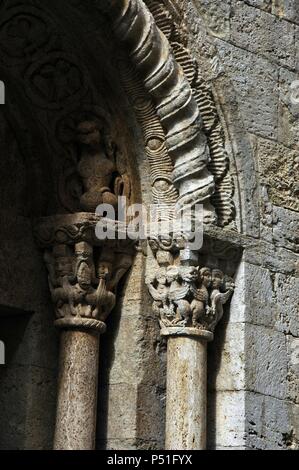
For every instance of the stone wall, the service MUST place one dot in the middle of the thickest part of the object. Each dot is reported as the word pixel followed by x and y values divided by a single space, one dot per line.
pixel 28 380
pixel 253 48
pixel 248 54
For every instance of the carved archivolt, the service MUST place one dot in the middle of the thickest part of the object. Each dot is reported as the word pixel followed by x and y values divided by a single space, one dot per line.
pixel 184 104
pixel 170 19
pixel 166 83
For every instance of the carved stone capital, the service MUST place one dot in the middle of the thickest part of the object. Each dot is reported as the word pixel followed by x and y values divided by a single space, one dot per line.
pixel 84 271
pixel 189 299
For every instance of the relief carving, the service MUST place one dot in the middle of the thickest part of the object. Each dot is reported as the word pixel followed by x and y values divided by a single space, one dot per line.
pixel 94 171
pixel 190 296
pixel 83 283
pixel 169 17
pixel 55 82
pixel 176 107
pixel 24 34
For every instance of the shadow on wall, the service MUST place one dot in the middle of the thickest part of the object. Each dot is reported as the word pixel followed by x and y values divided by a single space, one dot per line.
pixel 13 325
pixel 215 356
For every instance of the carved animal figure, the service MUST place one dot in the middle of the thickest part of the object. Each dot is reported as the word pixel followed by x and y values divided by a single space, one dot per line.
pixel 218 299
pixel 178 295
pixel 199 304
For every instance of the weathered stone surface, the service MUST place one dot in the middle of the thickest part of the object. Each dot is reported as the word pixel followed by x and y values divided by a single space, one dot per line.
pixel 247 54
pixel 293 369
pixel 275 259
pixel 216 15
pixel 263 34
pixel 77 391
pixel 262 4
pixel 286 228
pixel 259 296
pixel 227 358
pixel 117 418
pixel 255 81
pixel 266 361
pixel 288 108
pixel 226 419
pixel 278 174
pixel 287 9
pixel 271 424
pixel 28 400
pixel 186 420
pixel 286 304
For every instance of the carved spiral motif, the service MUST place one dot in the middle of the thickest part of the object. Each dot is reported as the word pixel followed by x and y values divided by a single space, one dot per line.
pixel 176 107
pixel 24 35
pixel 218 165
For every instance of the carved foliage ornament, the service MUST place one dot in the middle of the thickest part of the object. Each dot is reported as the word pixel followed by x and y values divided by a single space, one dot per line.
pixel 83 284
pixel 189 296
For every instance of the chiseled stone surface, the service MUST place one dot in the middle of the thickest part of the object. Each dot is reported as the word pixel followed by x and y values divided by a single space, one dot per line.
pixel 77 391
pixel 279 175
pixel 248 52
pixel 186 386
pixel 263 34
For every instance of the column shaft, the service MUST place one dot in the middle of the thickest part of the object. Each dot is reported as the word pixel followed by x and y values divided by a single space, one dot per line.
pixel 186 393
pixel 77 390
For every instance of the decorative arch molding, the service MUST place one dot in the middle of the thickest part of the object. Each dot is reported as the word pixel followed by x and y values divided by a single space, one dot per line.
pixel 187 150
pixel 186 168
pixel 166 82
pixel 184 104
pixel 230 145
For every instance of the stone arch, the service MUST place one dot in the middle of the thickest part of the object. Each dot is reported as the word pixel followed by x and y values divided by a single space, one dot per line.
pixel 178 148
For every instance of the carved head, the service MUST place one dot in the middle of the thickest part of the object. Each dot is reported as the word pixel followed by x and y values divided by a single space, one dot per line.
pixel 205 276
pixel 217 278
pixel 189 274
pixel 229 283
pixel 104 270
pixel 63 261
pixel 161 278
pixel 89 133
pixel 83 251
pixel 172 274
pixel 84 254
pixel 84 276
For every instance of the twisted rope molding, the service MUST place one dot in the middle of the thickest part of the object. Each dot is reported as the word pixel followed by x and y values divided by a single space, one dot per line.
pixel 177 109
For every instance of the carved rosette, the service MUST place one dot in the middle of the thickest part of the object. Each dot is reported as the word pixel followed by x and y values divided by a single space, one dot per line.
pixel 83 271
pixel 188 298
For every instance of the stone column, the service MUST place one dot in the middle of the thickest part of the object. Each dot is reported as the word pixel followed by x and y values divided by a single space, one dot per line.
pixel 77 390
pixel 83 276
pixel 188 301
pixel 186 387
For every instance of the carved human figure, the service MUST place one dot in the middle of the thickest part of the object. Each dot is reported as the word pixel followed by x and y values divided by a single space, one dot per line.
pixel 178 294
pixel 159 290
pixel 218 298
pixel 84 280
pixel 60 269
pixel 199 304
pixel 101 300
pixel 95 167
